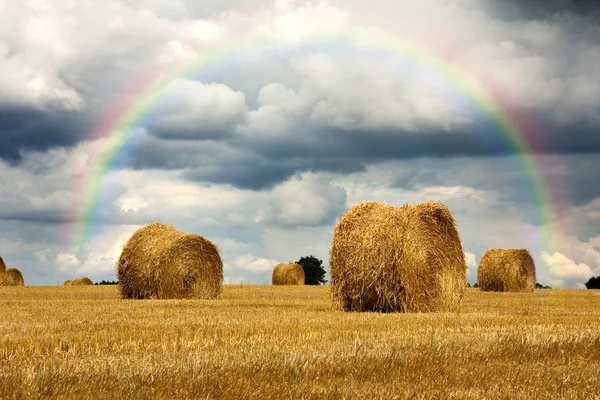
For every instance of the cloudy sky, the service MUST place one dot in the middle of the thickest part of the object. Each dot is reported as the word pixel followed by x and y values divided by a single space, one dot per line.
pixel 289 113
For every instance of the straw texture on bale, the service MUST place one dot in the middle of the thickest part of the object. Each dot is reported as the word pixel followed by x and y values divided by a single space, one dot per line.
pixel 15 277
pixel 390 259
pixel 288 274
pixel 79 282
pixel 506 270
pixel 11 276
pixel 161 262
pixel 4 277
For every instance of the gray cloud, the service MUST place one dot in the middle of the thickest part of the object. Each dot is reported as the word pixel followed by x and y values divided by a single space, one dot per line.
pixel 28 129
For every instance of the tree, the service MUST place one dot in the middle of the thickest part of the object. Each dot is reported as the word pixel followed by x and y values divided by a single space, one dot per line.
pixel 540 286
pixel 593 283
pixel 314 273
pixel 103 282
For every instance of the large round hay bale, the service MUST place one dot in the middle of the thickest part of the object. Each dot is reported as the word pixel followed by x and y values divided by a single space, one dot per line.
pixel 407 259
pixel 11 276
pixel 288 274
pixel 85 281
pixel 161 262
pixel 15 277
pixel 4 277
pixel 506 270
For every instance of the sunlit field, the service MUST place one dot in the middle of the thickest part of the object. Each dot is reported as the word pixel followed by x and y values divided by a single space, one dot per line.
pixel 266 342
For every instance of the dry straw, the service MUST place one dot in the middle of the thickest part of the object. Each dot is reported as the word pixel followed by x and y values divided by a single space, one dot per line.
pixel 4 277
pixel 15 277
pixel 161 262
pixel 11 276
pixel 407 258
pixel 79 282
pixel 506 270
pixel 288 274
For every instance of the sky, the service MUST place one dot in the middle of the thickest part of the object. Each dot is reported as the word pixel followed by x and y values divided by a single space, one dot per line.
pixel 277 128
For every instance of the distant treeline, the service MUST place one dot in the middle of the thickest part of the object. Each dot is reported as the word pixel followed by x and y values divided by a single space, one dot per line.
pixel 537 286
pixel 103 282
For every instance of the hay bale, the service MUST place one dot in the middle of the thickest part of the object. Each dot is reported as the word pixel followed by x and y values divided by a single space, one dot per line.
pixel 161 262
pixel 11 276
pixel 85 281
pixel 506 270
pixel 388 259
pixel 288 274
pixel 15 277
pixel 4 277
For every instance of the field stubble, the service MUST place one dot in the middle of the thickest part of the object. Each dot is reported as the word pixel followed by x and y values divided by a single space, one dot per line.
pixel 286 342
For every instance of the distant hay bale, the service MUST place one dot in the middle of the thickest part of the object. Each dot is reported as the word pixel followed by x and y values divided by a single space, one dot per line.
pixel 15 277
pixel 11 276
pixel 79 282
pixel 161 262
pixel 388 259
pixel 288 274
pixel 506 270
pixel 4 277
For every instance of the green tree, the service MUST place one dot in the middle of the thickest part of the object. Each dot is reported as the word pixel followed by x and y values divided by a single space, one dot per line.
pixel 314 273
pixel 593 283
pixel 103 282
pixel 540 286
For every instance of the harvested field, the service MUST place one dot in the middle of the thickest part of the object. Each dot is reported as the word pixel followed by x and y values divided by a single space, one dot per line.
pixel 286 342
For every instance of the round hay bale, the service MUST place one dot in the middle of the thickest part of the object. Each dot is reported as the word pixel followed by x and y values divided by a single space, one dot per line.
pixel 4 277
pixel 506 270
pixel 85 281
pixel 161 262
pixel 15 277
pixel 389 259
pixel 288 274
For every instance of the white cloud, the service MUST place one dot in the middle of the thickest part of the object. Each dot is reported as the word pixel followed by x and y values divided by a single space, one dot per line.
pixel 66 261
pixel 251 263
pixel 132 203
pixel 471 260
pixel 563 271
pixel 234 280
pixel 306 200
pixel 191 109
pixel 101 252
pixel 444 193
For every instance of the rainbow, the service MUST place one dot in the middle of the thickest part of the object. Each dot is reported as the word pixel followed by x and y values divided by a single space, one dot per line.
pixel 117 125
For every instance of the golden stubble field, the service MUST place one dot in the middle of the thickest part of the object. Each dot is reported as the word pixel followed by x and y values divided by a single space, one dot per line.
pixel 269 342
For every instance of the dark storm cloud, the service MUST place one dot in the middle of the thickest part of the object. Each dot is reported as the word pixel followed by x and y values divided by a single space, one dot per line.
pixel 42 216
pixel 26 129
pixel 259 163
pixel 535 9
pixel 258 176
